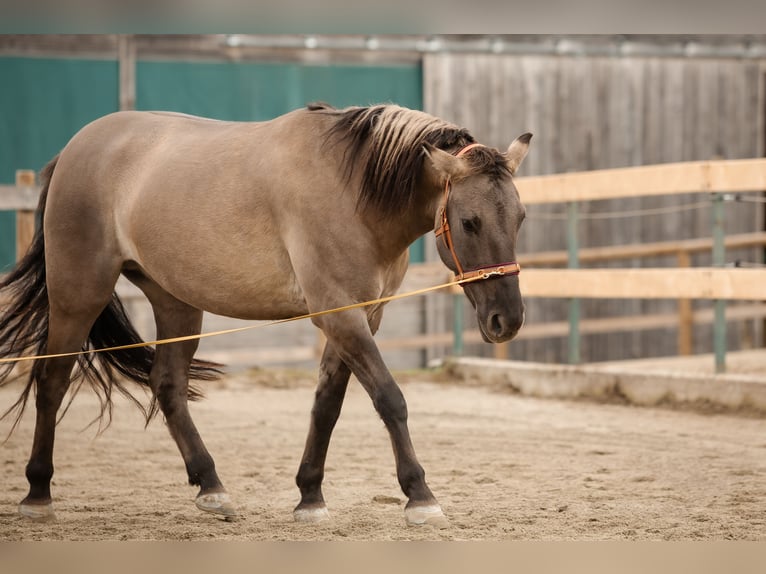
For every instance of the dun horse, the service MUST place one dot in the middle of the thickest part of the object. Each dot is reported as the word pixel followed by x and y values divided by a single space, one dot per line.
pixel 310 211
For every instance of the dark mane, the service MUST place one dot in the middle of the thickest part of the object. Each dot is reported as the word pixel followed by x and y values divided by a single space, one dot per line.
pixel 386 144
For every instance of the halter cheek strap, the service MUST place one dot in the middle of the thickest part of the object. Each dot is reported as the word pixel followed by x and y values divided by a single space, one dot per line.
pixel 443 231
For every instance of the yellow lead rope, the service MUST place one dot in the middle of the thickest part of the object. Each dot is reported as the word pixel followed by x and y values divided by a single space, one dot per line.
pixel 248 327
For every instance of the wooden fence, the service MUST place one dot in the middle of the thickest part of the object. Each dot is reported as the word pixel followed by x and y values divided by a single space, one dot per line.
pixel 539 279
pixel 719 180
pixel 596 113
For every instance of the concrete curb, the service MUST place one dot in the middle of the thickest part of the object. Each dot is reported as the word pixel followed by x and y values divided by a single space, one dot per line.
pixel 740 394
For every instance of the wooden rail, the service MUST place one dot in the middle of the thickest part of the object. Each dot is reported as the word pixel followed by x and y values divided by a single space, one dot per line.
pixel 18 197
pixel 605 325
pixel 660 283
pixel 641 250
pixel 662 179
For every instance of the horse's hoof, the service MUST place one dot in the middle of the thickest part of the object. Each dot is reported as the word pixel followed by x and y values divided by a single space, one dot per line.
pixel 37 512
pixel 217 503
pixel 430 515
pixel 315 514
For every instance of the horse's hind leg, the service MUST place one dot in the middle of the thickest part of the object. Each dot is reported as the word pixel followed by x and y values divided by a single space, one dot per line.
pixel 67 331
pixel 333 380
pixel 169 379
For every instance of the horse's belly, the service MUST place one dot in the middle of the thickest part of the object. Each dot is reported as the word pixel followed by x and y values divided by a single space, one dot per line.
pixel 254 296
pixel 253 309
pixel 247 277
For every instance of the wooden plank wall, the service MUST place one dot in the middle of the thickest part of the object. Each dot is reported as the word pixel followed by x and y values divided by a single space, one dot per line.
pixel 604 112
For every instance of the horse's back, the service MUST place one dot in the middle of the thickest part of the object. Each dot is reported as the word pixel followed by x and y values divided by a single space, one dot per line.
pixel 210 209
pixel 113 165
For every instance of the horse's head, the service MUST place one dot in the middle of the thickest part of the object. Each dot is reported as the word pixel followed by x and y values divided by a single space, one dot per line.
pixel 483 213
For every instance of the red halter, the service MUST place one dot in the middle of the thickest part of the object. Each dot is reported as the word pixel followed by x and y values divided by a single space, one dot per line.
pixel 511 268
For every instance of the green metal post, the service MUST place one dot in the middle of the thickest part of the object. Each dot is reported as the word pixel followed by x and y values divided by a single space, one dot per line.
pixel 573 262
pixel 719 258
pixel 457 324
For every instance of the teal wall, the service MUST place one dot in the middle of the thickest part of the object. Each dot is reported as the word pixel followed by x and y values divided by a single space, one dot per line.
pixel 44 101
pixel 261 91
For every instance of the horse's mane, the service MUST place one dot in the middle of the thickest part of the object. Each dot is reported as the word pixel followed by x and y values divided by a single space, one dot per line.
pixel 386 142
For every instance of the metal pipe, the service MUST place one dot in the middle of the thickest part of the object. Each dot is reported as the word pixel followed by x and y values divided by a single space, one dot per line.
pixel 620 46
pixel 457 324
pixel 719 259
pixel 573 262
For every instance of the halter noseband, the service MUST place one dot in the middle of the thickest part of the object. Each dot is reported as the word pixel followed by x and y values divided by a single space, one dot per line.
pixel 511 268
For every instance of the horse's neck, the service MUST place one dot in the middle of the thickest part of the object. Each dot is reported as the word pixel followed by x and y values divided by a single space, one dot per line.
pixel 396 234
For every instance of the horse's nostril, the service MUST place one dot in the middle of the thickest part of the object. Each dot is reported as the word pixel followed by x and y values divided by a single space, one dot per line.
pixel 496 325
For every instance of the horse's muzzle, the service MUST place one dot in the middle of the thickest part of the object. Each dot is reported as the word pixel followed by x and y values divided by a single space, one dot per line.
pixel 501 326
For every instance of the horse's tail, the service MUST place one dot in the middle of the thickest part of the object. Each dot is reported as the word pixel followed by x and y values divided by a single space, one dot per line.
pixel 24 330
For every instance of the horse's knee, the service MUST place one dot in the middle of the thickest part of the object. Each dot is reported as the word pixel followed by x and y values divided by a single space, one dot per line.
pixel 390 404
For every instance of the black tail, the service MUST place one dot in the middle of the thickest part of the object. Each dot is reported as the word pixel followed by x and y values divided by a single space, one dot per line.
pixel 24 331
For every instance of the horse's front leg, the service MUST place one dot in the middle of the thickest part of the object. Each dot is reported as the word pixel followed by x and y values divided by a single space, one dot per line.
pixel 351 337
pixel 333 381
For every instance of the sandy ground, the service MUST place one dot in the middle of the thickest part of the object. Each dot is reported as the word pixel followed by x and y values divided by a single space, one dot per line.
pixel 503 467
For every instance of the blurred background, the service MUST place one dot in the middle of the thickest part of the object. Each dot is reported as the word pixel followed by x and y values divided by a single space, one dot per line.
pixel 592 102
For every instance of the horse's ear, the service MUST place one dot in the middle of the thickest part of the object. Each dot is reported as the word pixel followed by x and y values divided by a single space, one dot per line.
pixel 517 151
pixel 441 165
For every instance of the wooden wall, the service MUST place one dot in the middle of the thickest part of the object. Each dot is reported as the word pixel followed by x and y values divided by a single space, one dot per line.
pixel 601 112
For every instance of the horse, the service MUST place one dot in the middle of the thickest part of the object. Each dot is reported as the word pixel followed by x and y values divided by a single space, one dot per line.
pixel 310 211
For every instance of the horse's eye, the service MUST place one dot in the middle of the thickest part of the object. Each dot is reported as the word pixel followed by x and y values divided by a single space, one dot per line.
pixel 471 225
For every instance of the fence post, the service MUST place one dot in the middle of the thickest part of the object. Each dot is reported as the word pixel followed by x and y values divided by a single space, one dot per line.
pixel 573 262
pixel 25 219
pixel 457 321
pixel 719 258
pixel 685 313
pixel 126 60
